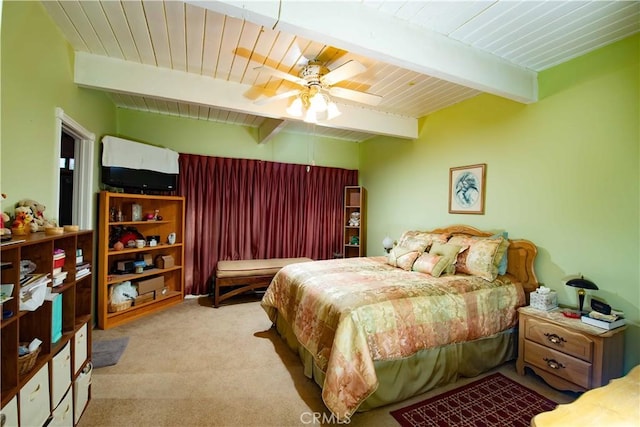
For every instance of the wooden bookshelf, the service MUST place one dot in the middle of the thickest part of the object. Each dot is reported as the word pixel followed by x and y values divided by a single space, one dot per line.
pixel 117 210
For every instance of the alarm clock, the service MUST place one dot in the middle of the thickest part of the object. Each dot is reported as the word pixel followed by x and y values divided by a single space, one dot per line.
pixel 600 306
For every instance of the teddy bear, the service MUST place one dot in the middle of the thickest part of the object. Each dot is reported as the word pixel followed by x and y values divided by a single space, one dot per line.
pixel 37 210
pixel 354 221
pixel 23 222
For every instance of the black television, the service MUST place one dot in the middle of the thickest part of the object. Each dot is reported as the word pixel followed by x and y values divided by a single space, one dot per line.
pixel 139 180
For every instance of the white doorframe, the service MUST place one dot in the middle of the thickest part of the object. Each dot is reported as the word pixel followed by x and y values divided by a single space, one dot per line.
pixel 83 170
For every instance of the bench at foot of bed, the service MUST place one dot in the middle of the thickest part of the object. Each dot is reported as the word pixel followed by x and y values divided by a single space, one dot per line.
pixel 247 275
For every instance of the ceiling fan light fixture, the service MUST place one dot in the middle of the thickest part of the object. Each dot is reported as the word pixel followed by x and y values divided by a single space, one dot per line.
pixel 295 109
pixel 318 102
pixel 310 116
pixel 314 101
pixel 332 111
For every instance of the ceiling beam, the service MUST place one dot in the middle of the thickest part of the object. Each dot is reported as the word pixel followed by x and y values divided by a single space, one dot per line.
pixel 269 128
pixel 111 74
pixel 362 30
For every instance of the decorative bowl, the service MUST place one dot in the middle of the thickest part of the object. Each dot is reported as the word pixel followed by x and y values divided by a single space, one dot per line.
pixel 53 231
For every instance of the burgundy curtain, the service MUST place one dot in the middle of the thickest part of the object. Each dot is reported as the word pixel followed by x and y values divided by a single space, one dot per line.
pixel 252 209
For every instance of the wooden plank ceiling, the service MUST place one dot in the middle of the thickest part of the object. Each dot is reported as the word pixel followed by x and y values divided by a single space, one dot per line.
pixel 197 59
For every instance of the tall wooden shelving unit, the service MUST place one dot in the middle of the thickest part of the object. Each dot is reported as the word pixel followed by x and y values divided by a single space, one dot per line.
pixel 30 398
pixel 354 201
pixel 171 208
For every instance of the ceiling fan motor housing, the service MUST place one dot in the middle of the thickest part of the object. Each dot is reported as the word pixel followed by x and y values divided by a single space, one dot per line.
pixel 313 72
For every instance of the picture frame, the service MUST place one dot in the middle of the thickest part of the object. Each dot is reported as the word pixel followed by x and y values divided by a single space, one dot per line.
pixel 136 212
pixel 467 189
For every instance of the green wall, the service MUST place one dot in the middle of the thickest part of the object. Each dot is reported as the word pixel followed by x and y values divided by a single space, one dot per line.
pixel 37 77
pixel 223 140
pixel 563 173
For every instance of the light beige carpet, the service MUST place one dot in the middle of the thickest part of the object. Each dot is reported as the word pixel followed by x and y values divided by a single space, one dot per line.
pixel 193 365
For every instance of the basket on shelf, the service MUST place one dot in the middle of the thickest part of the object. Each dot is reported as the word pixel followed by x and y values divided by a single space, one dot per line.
pixel 27 362
pixel 114 307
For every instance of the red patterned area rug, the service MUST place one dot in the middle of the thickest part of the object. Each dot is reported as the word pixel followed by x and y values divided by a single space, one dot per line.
pixel 494 400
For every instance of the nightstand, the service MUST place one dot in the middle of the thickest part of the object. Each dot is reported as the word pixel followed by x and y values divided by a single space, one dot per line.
pixel 567 353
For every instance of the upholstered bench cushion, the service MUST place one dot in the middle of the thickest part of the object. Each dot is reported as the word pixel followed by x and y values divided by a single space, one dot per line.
pixel 247 275
pixel 254 267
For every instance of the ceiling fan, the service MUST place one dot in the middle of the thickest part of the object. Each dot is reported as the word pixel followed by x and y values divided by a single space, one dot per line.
pixel 316 78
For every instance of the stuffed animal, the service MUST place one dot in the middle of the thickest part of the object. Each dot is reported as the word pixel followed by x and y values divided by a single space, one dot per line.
pixel 23 222
pixel 354 221
pixel 37 210
pixel 4 220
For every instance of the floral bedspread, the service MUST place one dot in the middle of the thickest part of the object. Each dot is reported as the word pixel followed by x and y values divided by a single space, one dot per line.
pixel 351 312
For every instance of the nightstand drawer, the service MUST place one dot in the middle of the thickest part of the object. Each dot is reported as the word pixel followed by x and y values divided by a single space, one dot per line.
pixel 559 338
pixel 557 363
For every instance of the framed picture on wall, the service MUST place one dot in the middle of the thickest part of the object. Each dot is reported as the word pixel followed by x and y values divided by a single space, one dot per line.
pixel 467 188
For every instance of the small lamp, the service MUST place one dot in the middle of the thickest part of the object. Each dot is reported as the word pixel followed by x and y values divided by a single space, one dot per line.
pixel 581 283
pixel 387 244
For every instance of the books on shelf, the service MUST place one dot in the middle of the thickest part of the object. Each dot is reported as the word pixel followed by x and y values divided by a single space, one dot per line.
pixel 59 254
pixel 604 324
pixel 82 270
pixel 33 279
pixel 58 258
pixel 81 273
pixel 59 277
pixel 6 292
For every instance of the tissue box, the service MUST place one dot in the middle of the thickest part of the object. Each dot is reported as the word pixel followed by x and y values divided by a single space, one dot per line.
pixel 546 302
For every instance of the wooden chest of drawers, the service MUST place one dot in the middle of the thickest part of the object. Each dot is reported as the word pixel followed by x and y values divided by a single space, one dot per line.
pixel 566 353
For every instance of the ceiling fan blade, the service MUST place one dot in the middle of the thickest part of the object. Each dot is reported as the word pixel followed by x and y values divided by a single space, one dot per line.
pixel 288 94
pixel 281 74
pixel 354 95
pixel 343 72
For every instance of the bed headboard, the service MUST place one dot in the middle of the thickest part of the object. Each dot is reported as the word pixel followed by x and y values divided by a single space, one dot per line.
pixel 521 255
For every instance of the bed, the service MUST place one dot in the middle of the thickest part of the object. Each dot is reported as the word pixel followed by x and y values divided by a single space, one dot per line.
pixel 371 331
pixel 615 404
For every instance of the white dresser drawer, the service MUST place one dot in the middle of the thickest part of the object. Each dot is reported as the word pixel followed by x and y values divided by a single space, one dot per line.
pixel 60 374
pixel 80 354
pixel 34 399
pixel 81 391
pixel 9 414
pixel 63 414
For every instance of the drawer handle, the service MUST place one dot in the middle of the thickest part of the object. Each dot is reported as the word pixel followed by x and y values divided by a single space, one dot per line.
pixel 34 394
pixel 555 339
pixel 553 364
